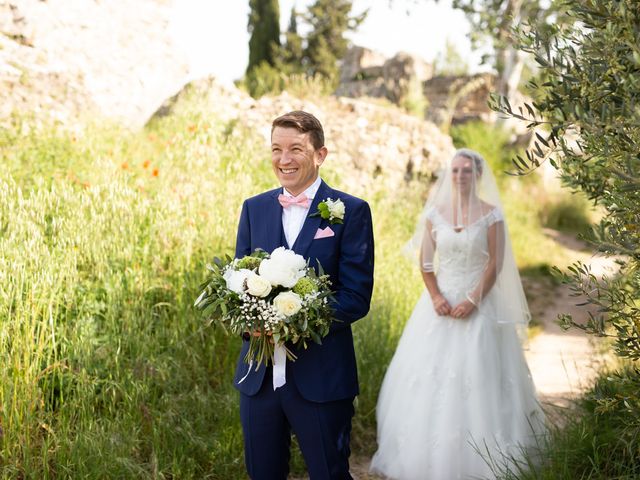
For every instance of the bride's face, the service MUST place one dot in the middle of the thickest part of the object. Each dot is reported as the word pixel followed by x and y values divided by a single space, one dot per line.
pixel 462 173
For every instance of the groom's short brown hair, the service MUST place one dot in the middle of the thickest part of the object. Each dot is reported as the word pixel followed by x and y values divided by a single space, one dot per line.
pixel 303 122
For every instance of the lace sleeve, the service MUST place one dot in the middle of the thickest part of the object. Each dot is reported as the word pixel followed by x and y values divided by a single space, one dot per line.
pixel 494 216
pixel 495 254
pixel 428 248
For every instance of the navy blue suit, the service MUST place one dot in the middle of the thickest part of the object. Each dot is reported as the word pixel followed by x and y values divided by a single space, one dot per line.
pixel 317 400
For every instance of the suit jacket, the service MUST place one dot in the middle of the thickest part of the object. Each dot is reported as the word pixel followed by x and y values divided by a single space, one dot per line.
pixel 324 372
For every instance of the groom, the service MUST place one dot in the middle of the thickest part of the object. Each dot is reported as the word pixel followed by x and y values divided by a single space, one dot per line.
pixel 316 400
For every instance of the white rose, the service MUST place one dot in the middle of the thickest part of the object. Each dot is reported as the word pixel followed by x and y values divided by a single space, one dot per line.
pixel 279 273
pixel 289 258
pixel 287 303
pixel 336 208
pixel 284 268
pixel 258 286
pixel 235 279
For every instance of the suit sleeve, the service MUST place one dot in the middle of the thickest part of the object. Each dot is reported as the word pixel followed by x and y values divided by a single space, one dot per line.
pixel 355 275
pixel 243 238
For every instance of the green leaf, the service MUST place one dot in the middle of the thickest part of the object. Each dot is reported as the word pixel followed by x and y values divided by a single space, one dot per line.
pixel 542 140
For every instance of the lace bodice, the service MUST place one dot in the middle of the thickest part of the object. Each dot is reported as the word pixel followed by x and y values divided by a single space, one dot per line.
pixel 461 255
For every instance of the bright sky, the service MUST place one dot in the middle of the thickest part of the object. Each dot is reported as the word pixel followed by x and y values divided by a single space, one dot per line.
pixel 215 38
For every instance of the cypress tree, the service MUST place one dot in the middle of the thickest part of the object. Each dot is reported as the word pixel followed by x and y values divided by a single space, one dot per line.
pixel 292 56
pixel 264 27
pixel 326 45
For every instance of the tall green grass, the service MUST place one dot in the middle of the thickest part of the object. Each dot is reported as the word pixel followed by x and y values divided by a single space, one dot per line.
pixel 593 439
pixel 107 370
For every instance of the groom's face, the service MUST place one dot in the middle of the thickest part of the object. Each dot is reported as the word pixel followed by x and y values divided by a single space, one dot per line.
pixel 294 159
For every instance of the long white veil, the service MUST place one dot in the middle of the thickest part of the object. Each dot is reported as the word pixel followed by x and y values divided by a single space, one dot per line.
pixel 466 194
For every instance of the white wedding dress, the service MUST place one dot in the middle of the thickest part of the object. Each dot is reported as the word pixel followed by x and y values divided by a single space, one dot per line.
pixel 458 394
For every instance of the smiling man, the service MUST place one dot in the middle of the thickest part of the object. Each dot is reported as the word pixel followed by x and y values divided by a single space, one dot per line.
pixel 311 397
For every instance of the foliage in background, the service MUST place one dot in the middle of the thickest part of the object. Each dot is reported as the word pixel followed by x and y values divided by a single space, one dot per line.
pixel 450 61
pixel 413 100
pixel 315 55
pixel 491 141
pixel 568 212
pixel 325 44
pixel 588 441
pixel 268 80
pixel 589 108
pixel 107 370
pixel 492 22
pixel 264 79
pixel 264 27
pixel 291 55
pixel 264 47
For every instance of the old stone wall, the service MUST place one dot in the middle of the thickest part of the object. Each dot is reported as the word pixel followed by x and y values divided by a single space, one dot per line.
pixel 450 99
pixel 368 143
pixel 65 59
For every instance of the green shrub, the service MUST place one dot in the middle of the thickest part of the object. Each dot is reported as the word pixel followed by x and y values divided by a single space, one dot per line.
pixel 594 439
pixel 567 212
pixel 413 100
pixel 492 142
pixel 264 80
pixel 305 86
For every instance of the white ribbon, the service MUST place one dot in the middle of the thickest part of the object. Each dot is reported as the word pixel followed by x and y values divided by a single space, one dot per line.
pixel 247 374
pixel 279 366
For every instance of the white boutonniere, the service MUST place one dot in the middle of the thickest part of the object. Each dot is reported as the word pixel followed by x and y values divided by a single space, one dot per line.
pixel 332 210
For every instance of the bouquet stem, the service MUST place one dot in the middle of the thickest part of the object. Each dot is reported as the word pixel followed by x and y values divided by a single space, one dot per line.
pixel 261 350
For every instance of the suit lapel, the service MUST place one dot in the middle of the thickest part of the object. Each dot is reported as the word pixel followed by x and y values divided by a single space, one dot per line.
pixel 273 222
pixel 311 224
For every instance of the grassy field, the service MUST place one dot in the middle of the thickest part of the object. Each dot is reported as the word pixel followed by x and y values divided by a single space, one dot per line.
pixel 107 370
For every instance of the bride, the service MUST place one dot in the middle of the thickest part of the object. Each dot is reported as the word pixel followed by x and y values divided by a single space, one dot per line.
pixel 457 401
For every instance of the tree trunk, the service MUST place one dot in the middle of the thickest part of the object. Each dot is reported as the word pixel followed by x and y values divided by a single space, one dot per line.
pixel 512 61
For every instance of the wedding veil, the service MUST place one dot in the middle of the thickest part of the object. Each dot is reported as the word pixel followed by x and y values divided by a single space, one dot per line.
pixel 464 197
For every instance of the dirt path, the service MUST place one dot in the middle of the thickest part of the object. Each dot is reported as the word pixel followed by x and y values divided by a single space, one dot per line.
pixel 562 363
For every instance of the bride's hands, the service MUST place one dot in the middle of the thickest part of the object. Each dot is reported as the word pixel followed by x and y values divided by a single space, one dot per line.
pixel 441 306
pixel 463 309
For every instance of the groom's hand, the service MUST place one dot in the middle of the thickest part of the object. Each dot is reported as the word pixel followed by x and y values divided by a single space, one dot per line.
pixel 255 333
pixel 463 310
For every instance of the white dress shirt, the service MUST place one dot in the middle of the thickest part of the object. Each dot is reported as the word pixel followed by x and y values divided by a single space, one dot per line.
pixel 293 217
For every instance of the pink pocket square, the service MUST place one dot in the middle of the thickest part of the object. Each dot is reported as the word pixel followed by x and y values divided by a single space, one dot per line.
pixel 325 232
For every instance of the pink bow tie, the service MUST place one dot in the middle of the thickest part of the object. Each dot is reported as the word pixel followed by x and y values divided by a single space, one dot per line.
pixel 301 200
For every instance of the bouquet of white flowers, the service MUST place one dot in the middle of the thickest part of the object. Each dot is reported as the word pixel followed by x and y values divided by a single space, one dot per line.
pixel 276 298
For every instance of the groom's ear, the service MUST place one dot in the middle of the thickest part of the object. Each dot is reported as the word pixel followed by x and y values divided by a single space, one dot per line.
pixel 321 154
